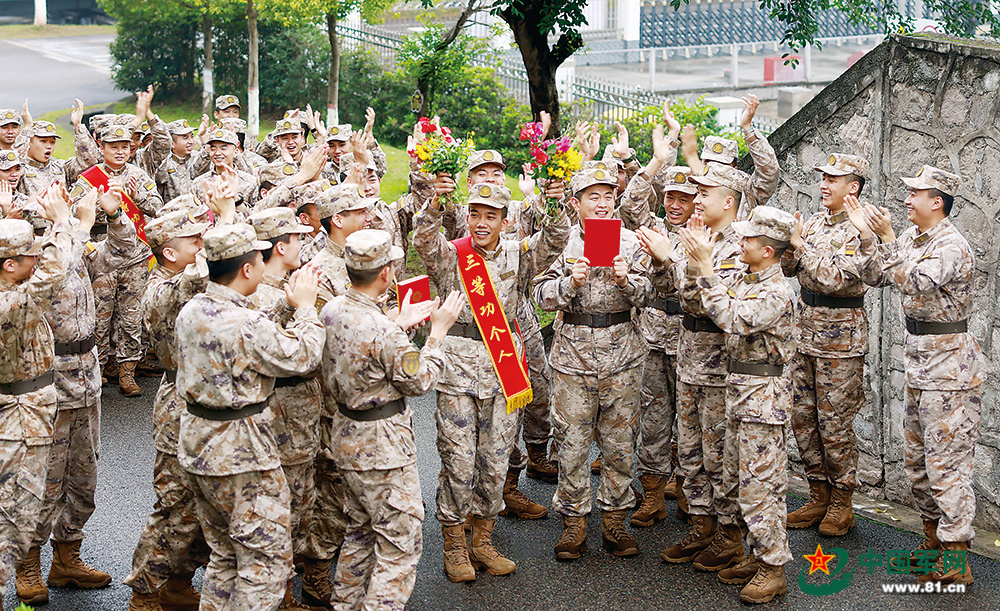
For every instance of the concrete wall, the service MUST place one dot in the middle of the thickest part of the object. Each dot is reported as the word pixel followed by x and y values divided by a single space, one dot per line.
pixel 911 101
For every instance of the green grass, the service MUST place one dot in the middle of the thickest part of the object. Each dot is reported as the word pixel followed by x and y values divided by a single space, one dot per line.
pixel 53 31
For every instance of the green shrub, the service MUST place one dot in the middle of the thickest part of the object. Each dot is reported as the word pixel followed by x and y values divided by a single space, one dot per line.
pixel 171 63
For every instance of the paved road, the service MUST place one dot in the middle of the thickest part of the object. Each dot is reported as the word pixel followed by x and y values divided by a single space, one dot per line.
pixel 596 582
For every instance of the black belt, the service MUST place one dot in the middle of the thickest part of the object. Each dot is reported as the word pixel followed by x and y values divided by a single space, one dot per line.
pixel 755 369
pixel 598 320
pixel 226 414
pixel 667 306
pixel 920 327
pixel 376 413
pixel 700 325
pixel 828 301
pixel 80 346
pixel 100 229
pixel 292 381
pixel 470 331
pixel 26 386
pixel 170 375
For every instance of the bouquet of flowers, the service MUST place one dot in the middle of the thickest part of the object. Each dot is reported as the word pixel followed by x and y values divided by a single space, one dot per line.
pixel 437 151
pixel 552 159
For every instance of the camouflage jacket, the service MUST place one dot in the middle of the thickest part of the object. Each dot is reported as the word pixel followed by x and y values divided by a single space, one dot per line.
pixel 38 176
pixel 764 181
pixel 333 278
pixel 150 157
pixel 174 177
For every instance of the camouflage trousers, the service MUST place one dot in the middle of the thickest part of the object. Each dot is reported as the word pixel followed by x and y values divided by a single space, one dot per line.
pixel 474 440
pixel 756 464
pixel 535 423
pixel 585 406
pixel 171 543
pixel 378 564
pixel 71 478
pixel 701 432
pixel 118 297
pixel 325 523
pixel 828 394
pixel 302 489
pixel 941 428
pixel 245 518
pixel 656 414
pixel 22 485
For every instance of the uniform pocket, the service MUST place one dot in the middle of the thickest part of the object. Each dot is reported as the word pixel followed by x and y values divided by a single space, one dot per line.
pixel 263 527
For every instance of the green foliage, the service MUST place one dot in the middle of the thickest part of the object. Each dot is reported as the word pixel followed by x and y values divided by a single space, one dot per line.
pixel 171 63
pixel 428 58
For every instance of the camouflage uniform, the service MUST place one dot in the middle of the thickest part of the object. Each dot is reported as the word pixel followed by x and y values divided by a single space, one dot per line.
pixel 758 319
pixel 934 272
pixel 152 156
pixel 174 177
pixel 228 356
pixel 763 182
pixel 342 133
pixel 38 176
pixel 369 363
pixel 475 431
pixel 27 414
pixel 246 189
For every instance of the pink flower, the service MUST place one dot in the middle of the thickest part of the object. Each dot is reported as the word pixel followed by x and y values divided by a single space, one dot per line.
pixel 563 145
pixel 446 131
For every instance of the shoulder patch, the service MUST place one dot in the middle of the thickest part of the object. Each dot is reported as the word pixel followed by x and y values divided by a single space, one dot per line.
pixel 728 264
pixel 732 293
pixel 752 296
pixel 411 363
pixel 836 243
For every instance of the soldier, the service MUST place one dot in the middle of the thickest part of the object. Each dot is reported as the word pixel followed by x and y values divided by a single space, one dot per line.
pixel 11 200
pixel 369 367
pixel 171 545
pixel 32 272
pixel 597 358
pixel 226 107
pixel 41 168
pixel 339 142
pixel 933 267
pixel 246 159
pixel 828 369
pixel 174 177
pixel 71 479
pixel 298 400
pixel 290 140
pixel 758 319
pixel 476 430
pixel 10 128
pixel 223 146
pixel 228 356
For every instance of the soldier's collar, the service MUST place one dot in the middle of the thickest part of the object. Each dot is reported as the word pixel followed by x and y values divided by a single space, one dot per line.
pixel 223 292
pixel 114 172
pixel 335 248
pixel 358 296
pixel 272 280
pixel 924 237
pixel 37 164
pixel 755 277
pixel 725 233
pixel 835 219
pixel 180 160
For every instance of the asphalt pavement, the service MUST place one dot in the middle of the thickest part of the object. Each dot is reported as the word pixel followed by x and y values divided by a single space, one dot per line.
pixel 598 581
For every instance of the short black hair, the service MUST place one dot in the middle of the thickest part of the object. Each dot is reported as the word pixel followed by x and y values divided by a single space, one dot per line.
pixel 364 277
pixel 225 271
pixel 15 258
pixel 302 209
pixel 265 185
pixel 326 223
pixel 779 246
pixel 949 200
pixel 858 179
pixel 737 195
pixel 285 238
pixel 158 251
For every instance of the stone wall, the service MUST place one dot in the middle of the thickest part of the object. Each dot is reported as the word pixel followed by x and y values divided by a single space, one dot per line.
pixel 912 100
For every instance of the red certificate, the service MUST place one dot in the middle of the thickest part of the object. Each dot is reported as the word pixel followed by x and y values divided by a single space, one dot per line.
pixel 602 241
pixel 421 287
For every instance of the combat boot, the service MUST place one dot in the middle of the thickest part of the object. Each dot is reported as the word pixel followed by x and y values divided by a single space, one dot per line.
pixel 673 487
pixel 698 538
pixel 179 595
pixel 516 503
pixel 482 554
pixel 28 580
pixel 539 465
pixel 288 603
pixel 683 508
pixel 144 602
pixel 595 467
pixel 768 583
pixel 573 541
pixel 69 569
pixel 109 371
pixel 456 555
pixel 149 366
pixel 954 574
pixel 617 539
pixel 126 380
pixel 839 515
pixel 814 509
pixel 742 573
pixel 639 496
pixel 652 509
pixel 725 550
pixel 317 589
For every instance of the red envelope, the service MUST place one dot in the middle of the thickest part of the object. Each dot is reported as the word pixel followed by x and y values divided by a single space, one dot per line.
pixel 421 287
pixel 602 241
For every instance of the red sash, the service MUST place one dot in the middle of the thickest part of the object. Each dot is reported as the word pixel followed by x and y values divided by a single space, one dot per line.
pixel 493 326
pixel 97 177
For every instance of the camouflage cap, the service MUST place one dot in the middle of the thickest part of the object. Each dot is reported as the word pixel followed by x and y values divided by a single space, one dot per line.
pixel 308 193
pixel 180 127
pixel 116 133
pixel 188 202
pixel 929 177
pixel 723 150
pixel 223 135
pixel 767 221
pixel 17 238
pixel 97 123
pixel 44 129
pixel 286 126
pixel 276 172
pixel 8 116
pixel 176 224
pixel 144 128
pixel 719 175
pixel 489 195
pixel 123 119
pixel 33 214
pixel 340 199
pixel 231 241
pixel 678 178
pixel 612 156
pixel 592 174
pixel 297 115
pixel 480 158
pixel 842 164
pixel 225 101
pixel 9 159
pixel 339 133
pixel 370 249
pixel 235 125
pixel 276 222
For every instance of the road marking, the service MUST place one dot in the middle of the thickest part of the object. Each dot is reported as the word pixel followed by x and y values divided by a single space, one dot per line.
pixel 59 56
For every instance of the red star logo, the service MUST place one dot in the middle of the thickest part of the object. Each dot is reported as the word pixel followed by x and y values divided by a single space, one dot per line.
pixel 819 561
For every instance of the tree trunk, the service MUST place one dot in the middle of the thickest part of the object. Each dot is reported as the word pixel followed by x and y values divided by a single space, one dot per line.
pixel 207 74
pixel 333 82
pixel 41 11
pixel 540 65
pixel 253 79
pixel 425 103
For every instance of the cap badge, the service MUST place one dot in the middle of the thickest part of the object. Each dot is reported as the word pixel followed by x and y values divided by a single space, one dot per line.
pixel 484 191
pixel 488 155
pixel 717 147
pixel 334 130
pixel 833 159
pixel 599 175
pixel 288 170
pixel 680 178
